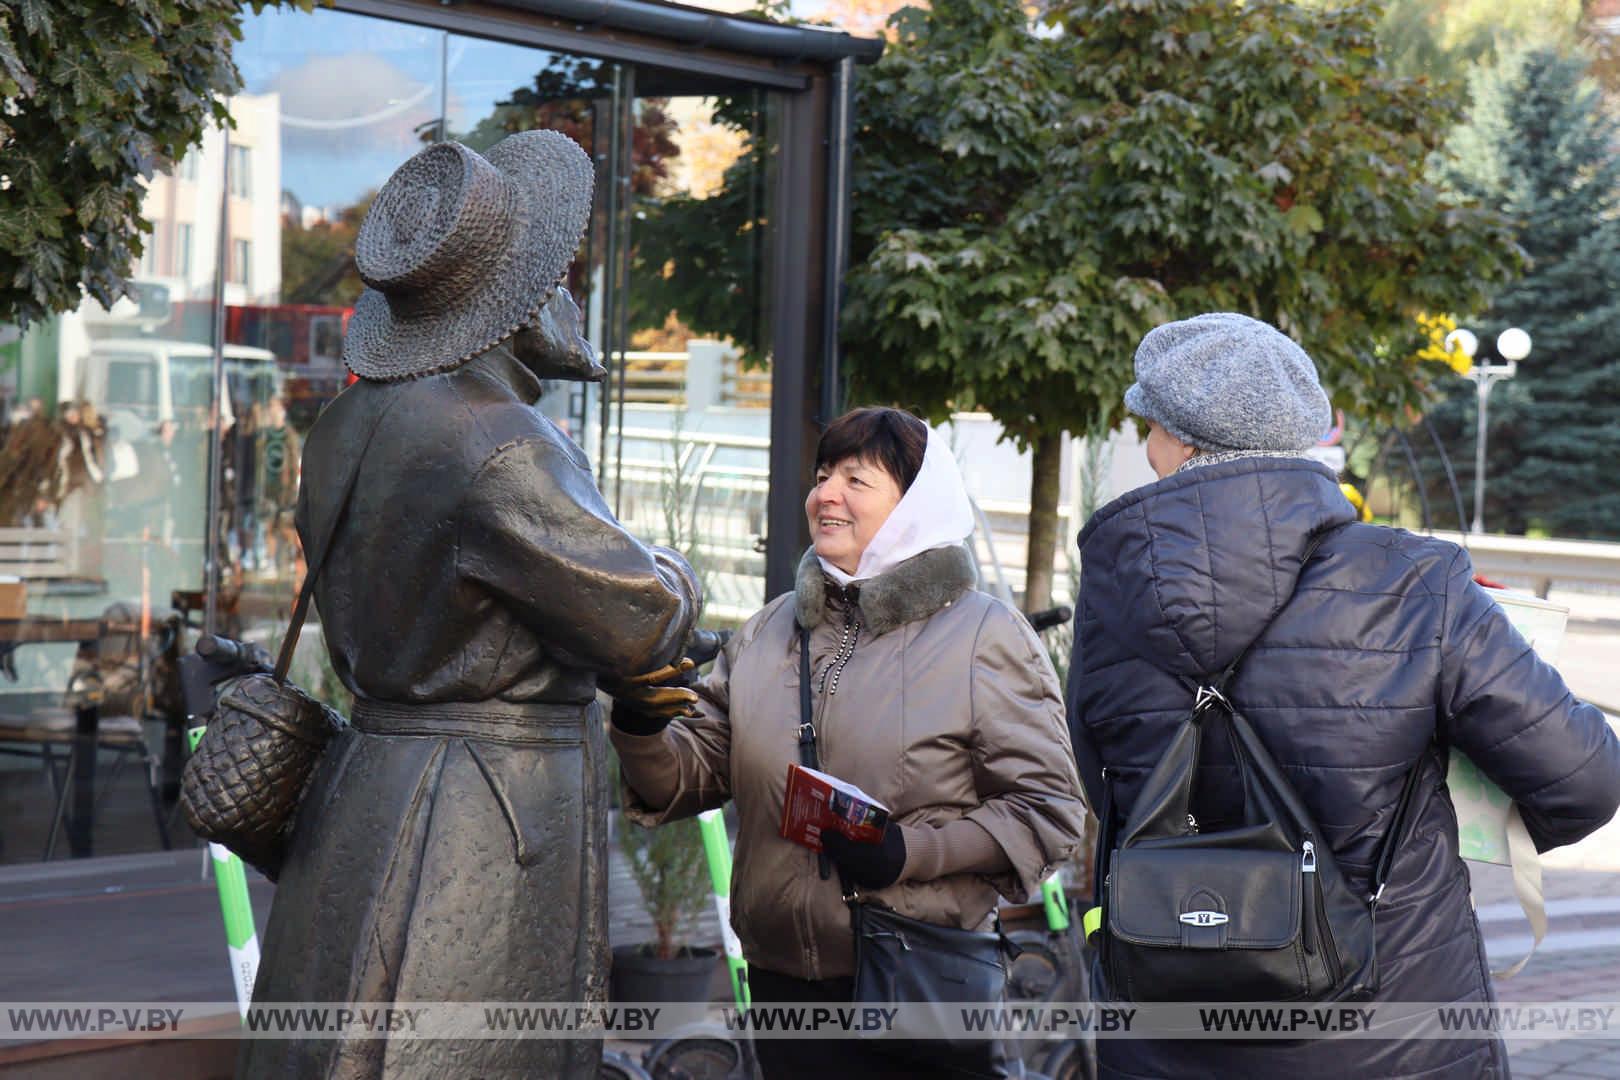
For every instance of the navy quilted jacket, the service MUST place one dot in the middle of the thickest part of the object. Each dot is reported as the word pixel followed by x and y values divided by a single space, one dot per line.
pixel 1380 653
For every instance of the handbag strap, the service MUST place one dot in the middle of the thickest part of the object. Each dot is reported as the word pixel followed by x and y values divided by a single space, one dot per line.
pixel 1220 682
pixel 808 756
pixel 807 727
pixel 1212 693
pixel 300 609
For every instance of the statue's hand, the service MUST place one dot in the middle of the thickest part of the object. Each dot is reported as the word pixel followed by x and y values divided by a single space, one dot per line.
pixel 659 694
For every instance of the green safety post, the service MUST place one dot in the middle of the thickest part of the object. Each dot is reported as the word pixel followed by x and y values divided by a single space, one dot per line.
pixel 1057 904
pixel 717 846
pixel 237 908
pixel 1091 922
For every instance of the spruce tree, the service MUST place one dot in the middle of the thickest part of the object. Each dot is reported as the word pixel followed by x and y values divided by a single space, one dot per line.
pixel 1031 198
pixel 1541 148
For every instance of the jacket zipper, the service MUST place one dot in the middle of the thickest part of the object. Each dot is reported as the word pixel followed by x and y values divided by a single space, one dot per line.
pixel 1307 869
pixel 1324 931
pixel 841 658
pixel 835 670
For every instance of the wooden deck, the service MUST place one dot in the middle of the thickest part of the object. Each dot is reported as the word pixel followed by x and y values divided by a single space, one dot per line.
pixel 146 928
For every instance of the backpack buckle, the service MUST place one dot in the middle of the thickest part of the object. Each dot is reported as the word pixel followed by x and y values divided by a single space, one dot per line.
pixel 1207 696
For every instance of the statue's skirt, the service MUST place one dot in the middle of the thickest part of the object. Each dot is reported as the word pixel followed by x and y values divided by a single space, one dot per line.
pixel 452 852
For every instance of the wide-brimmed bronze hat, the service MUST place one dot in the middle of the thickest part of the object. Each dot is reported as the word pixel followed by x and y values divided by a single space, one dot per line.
pixel 460 250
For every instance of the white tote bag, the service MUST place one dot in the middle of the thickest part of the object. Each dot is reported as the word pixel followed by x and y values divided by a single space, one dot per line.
pixel 1489 828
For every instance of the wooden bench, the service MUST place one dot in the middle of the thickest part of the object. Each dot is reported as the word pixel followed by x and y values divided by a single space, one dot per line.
pixel 34 553
pixel 47 562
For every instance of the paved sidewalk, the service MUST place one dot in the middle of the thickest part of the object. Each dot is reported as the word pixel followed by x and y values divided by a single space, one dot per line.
pixel 1579 960
pixel 1591 643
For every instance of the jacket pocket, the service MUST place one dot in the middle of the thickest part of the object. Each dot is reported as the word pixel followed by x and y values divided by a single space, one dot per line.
pixel 540 792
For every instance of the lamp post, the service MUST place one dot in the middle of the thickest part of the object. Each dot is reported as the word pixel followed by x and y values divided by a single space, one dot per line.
pixel 1512 345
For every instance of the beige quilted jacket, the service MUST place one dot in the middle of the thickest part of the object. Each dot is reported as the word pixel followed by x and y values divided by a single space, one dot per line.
pixel 937 699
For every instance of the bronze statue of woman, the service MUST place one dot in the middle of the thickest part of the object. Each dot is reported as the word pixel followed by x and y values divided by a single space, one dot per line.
pixel 451 845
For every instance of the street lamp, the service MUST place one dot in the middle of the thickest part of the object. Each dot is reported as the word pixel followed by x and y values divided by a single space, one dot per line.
pixel 1512 345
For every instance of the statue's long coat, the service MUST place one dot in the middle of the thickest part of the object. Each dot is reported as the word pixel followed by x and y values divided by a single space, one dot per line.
pixel 451 846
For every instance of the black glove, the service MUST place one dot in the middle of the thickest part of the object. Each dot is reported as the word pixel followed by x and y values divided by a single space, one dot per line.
pixel 871 866
pixel 645 704
pixel 631 722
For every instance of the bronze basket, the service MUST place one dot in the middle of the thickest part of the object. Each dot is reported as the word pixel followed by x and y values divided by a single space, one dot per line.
pixel 242 785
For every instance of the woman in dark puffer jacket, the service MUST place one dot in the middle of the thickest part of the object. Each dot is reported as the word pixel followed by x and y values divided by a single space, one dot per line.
pixel 1378 654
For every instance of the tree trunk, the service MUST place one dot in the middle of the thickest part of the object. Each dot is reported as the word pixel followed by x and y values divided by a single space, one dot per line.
pixel 1043 521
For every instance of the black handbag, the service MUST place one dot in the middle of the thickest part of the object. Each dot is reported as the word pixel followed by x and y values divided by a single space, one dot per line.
pixel 1257 912
pixel 905 961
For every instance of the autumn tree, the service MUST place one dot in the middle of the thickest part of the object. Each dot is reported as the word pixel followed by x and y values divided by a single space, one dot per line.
pixel 568 95
pixel 97 96
pixel 1030 199
pixel 572 95
pixel 702 255
pixel 317 260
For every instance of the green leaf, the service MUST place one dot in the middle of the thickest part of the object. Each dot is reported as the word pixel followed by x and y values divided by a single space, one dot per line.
pixel 1304 219
pixel 100 89
pixel 1052 197
pixel 1275 172
pixel 12 64
pixel 36 19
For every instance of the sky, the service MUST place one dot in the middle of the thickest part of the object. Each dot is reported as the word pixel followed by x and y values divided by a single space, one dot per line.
pixel 357 93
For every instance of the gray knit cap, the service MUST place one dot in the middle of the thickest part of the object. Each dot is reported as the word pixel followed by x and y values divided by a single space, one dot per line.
pixel 1228 382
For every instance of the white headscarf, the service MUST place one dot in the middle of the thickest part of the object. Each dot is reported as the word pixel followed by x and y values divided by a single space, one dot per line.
pixel 934 512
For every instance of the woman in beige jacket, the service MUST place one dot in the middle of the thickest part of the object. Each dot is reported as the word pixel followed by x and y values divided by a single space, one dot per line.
pixel 933 697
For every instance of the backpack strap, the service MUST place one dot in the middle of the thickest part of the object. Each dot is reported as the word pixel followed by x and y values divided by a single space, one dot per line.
pixel 1215 689
pixel 1400 823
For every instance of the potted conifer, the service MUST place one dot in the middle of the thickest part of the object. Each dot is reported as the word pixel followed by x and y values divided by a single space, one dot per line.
pixel 668 865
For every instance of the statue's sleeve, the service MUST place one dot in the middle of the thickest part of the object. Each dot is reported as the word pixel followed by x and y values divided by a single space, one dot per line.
pixel 685 768
pixel 535 532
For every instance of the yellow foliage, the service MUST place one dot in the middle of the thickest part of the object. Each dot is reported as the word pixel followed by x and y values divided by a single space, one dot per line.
pixel 1435 328
pixel 1356 501
pixel 864 18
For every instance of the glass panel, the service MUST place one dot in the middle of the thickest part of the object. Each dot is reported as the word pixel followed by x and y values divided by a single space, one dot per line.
pixel 693 376
pixel 332 104
pixel 105 424
pixel 495 90
pixel 107 417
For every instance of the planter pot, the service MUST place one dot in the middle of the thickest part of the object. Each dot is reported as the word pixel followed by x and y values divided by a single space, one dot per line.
pixel 639 976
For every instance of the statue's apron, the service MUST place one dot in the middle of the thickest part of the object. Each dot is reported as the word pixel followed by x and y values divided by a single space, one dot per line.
pixel 449 852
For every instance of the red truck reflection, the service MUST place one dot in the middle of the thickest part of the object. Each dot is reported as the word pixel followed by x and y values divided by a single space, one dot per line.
pixel 308 342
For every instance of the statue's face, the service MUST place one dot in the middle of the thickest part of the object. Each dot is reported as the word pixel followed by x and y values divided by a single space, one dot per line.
pixel 554 346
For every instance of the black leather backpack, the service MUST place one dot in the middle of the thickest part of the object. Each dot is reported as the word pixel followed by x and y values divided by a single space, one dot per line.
pixel 1257 912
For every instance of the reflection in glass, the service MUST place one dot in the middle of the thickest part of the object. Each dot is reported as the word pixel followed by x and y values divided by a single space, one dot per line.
pixel 104 435
pixel 692 375
pixel 494 90
pixel 699 257
pixel 108 417
pixel 345 99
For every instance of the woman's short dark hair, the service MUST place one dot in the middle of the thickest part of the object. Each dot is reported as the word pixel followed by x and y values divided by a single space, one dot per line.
pixel 890 438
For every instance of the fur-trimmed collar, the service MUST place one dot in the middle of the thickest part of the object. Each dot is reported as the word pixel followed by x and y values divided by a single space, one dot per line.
pixel 913 590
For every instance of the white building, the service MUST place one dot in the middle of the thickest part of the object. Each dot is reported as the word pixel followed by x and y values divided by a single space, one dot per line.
pixel 184 209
